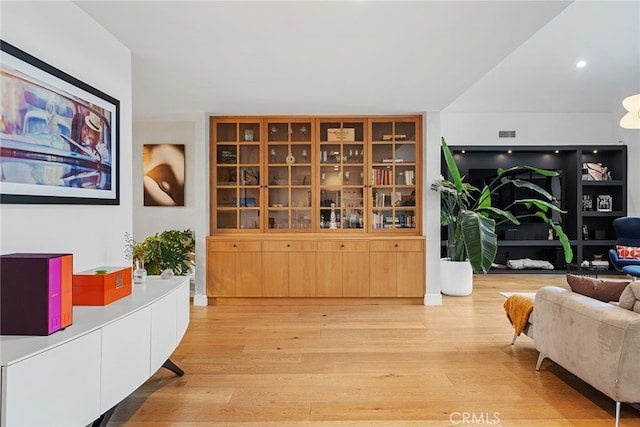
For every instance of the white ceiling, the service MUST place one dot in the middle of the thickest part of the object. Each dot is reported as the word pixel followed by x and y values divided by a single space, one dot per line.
pixel 374 57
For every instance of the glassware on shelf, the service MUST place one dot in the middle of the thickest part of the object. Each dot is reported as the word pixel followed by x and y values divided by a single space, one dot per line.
pixel 140 273
pixel 333 224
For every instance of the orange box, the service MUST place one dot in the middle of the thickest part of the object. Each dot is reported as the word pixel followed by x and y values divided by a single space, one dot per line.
pixel 101 285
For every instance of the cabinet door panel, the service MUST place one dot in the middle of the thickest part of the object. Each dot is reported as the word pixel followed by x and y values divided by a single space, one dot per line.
pixel 302 274
pixel 329 274
pixel 60 386
pixel 221 274
pixel 355 274
pixel 248 272
pixel 383 274
pixel 275 274
pixel 410 274
pixel 126 357
pixel 163 330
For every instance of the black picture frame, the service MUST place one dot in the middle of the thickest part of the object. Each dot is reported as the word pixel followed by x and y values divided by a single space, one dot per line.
pixel 59 137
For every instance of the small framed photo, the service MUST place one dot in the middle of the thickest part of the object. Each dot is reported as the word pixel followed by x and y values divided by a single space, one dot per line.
pixel 605 203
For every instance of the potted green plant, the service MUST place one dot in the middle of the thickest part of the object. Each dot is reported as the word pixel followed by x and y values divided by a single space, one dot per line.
pixel 171 249
pixel 471 220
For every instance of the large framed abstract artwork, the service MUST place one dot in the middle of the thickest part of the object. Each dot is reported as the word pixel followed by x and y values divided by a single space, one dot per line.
pixel 59 137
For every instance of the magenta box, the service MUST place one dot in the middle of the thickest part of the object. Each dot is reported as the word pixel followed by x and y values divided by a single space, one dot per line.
pixel 30 292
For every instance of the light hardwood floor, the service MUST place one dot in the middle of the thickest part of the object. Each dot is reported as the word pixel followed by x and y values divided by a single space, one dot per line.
pixel 371 365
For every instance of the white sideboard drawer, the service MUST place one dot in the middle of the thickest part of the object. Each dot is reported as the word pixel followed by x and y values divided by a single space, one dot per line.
pixel 126 354
pixel 35 383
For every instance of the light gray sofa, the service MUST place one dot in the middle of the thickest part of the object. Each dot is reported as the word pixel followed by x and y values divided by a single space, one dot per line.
pixel 596 341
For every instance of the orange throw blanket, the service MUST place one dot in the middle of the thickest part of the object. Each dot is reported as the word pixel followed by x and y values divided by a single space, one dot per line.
pixel 518 309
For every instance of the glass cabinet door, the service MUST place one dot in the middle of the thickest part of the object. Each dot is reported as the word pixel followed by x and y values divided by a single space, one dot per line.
pixel 289 158
pixel 393 174
pixel 341 151
pixel 236 156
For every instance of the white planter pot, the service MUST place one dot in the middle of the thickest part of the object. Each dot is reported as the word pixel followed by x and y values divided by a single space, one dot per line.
pixel 456 277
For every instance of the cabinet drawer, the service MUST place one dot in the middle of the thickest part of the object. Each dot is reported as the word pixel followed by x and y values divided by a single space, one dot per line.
pixel 288 245
pixel 343 245
pixel 396 245
pixel 235 245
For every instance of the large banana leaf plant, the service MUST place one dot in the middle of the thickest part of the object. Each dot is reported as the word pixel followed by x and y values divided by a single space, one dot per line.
pixel 471 220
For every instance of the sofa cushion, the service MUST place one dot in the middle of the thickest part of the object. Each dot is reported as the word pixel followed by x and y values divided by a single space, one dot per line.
pixel 628 252
pixel 603 290
pixel 630 297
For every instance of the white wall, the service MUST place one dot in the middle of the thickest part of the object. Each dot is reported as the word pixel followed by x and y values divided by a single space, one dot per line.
pixel 149 220
pixel 190 131
pixel 531 128
pixel 62 35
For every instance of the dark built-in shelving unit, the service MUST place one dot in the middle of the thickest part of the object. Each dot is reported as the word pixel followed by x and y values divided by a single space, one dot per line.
pixel 590 231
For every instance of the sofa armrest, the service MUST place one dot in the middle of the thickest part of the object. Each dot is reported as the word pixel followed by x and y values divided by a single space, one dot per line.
pixel 596 341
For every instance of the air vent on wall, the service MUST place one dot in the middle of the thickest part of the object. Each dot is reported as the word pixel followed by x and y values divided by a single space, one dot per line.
pixel 506 134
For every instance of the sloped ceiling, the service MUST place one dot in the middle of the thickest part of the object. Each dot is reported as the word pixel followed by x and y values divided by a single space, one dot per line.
pixel 372 57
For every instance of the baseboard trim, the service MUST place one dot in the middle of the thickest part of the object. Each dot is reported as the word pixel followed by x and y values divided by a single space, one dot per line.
pixel 432 299
pixel 314 301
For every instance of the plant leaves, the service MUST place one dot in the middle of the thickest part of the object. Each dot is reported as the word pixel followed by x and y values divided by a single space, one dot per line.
pixel 480 240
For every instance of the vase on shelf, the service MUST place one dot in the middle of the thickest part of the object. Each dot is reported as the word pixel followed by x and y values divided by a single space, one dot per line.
pixel 140 273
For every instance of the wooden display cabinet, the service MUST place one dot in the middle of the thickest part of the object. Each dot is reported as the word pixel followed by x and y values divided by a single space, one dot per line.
pixel 236 166
pixel 289 166
pixel 394 174
pixel 296 201
pixel 342 175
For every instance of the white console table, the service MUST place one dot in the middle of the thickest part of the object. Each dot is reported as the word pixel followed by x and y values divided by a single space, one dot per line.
pixel 77 376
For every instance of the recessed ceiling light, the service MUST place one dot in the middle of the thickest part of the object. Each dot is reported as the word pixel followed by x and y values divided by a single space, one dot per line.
pixel 581 64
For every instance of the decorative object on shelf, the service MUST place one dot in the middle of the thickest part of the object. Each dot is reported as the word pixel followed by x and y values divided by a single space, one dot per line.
pixel 60 137
pixel 631 120
pixel 595 172
pixel 550 235
pixel 167 274
pixel 135 251
pixel 587 202
pixel 585 232
pixel 171 249
pixel 101 286
pixel 290 159
pixel 36 293
pixel 248 135
pixel 471 220
pixel 337 135
pixel 332 218
pixel 140 273
pixel 605 203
